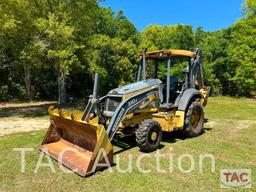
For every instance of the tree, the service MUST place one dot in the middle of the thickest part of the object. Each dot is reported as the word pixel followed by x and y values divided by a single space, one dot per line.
pixel 52 29
pixel 31 56
pixel 114 59
pixel 167 37
pixel 65 31
pixel 124 28
pixel 17 33
pixel 250 7
pixel 70 39
pixel 60 47
pixel 242 56
pixel 150 38
pixel 115 25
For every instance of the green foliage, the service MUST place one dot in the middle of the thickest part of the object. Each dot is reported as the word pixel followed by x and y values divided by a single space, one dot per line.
pixel 68 40
pixel 114 59
pixel 58 41
pixel 4 93
pixel 242 55
pixel 250 7
pixel 115 25
pixel 167 37
pixel 12 91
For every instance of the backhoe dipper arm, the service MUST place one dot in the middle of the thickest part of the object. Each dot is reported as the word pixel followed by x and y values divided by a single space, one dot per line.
pixel 126 106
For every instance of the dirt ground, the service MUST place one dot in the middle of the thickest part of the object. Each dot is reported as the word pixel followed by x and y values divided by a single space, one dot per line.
pixel 23 117
pixel 26 117
pixel 14 125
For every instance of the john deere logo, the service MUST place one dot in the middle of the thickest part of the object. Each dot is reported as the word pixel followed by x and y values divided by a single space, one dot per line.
pixel 235 178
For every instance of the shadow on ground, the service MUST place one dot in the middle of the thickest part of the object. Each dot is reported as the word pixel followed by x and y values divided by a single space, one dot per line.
pixel 38 109
pixel 125 143
pixel 25 111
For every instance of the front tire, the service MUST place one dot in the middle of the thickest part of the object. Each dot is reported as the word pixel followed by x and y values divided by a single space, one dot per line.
pixel 149 135
pixel 194 120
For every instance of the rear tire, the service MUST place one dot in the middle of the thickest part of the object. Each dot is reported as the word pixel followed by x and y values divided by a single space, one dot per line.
pixel 194 120
pixel 149 135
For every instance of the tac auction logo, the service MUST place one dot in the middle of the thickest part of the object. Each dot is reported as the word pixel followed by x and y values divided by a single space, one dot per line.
pixel 235 178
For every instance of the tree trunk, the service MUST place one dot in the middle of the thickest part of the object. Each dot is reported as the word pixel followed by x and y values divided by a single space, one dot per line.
pixel 62 96
pixel 27 80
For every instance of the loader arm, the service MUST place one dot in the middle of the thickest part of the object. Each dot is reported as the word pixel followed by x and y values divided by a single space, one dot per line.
pixel 126 106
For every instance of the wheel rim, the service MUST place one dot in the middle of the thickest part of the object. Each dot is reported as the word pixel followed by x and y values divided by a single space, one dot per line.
pixel 153 137
pixel 195 117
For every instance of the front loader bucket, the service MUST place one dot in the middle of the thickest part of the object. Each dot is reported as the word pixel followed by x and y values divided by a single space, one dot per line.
pixel 77 144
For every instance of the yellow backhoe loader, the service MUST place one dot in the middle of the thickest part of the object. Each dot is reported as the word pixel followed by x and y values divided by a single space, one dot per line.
pixel 162 99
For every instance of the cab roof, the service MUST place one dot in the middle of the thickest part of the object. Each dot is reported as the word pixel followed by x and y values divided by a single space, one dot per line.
pixel 163 54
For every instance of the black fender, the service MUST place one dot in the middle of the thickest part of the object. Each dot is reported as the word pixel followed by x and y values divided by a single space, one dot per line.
pixel 186 97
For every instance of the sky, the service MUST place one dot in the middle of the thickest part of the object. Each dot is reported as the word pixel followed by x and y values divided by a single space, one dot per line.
pixel 212 15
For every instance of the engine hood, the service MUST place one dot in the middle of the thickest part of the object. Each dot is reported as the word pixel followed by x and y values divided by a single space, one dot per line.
pixel 135 86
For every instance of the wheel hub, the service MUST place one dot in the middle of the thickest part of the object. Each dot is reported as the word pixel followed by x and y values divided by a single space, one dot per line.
pixel 195 118
pixel 153 136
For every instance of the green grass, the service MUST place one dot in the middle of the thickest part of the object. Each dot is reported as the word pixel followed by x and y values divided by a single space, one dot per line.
pixel 229 136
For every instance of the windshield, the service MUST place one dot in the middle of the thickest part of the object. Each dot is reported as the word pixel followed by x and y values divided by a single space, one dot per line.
pixel 157 68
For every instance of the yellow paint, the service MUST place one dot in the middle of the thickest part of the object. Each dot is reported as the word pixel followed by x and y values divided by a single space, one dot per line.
pixel 153 136
pixel 103 142
pixel 150 110
pixel 142 113
pixel 129 116
pixel 170 120
pixel 179 119
pixel 165 119
pixel 205 91
pixel 135 119
pixel 171 53
pixel 94 121
pixel 127 96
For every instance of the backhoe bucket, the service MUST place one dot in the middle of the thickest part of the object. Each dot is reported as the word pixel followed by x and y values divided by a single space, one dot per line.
pixel 76 144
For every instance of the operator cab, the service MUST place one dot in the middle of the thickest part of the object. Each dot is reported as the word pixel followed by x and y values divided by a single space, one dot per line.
pixel 177 69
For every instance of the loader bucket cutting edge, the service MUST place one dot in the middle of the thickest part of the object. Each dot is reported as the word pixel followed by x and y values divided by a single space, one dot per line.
pixel 76 144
